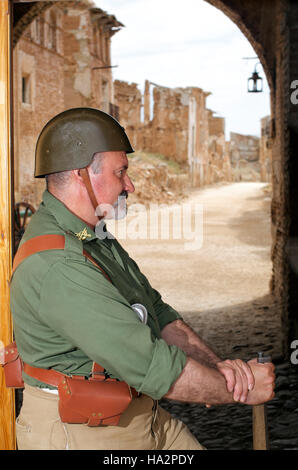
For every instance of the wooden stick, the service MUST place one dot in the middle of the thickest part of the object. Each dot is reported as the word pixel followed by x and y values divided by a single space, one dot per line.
pixel 260 430
pixel 259 418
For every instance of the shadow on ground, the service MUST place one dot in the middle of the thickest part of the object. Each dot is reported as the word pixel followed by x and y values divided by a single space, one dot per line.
pixel 241 330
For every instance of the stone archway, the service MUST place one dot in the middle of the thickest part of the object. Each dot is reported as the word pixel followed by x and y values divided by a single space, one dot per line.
pixel 245 17
pixel 24 14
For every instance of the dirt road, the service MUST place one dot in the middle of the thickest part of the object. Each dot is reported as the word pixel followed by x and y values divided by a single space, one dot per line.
pixel 218 278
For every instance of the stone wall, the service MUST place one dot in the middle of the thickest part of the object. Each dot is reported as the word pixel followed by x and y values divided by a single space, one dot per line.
pixel 168 130
pixel 175 122
pixel 218 150
pixel 244 153
pixel 128 99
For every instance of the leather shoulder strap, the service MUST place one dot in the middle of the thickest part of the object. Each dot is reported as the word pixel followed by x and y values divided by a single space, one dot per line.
pixel 44 243
pixel 37 244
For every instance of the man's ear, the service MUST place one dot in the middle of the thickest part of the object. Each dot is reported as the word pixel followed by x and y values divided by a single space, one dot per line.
pixel 77 176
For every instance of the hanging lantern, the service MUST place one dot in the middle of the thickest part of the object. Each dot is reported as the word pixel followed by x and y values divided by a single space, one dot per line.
pixel 255 83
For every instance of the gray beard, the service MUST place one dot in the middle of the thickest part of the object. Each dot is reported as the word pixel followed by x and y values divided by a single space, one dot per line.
pixel 119 211
pixel 120 208
pixel 116 211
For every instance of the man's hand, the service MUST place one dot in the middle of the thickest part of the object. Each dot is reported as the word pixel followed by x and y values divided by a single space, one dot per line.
pixel 264 383
pixel 239 377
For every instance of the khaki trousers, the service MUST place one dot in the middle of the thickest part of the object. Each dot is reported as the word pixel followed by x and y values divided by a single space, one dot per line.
pixel 144 425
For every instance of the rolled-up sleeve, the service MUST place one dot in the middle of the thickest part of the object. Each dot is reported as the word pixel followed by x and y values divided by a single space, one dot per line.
pixel 79 304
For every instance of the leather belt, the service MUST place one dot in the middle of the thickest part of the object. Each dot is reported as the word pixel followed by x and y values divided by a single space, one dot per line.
pixel 53 377
pixel 47 376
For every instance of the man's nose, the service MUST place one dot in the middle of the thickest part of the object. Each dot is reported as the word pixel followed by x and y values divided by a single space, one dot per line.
pixel 129 187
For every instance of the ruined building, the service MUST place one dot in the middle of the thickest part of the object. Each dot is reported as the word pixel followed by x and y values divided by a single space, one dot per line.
pixel 62 60
pixel 176 123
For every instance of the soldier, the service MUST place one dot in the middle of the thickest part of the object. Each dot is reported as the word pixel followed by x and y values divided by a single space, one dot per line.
pixel 85 304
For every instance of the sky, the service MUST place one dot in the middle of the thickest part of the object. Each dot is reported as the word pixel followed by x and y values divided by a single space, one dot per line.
pixel 178 43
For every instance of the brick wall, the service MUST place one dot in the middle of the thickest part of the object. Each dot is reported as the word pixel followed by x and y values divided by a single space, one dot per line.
pixel 42 69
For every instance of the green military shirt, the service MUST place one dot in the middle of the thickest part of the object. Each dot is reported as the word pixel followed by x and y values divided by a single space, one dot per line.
pixel 66 314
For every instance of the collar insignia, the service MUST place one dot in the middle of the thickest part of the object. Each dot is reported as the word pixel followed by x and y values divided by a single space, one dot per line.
pixel 83 234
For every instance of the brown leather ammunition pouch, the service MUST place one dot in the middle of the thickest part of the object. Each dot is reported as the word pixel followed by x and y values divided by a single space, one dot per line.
pixel 92 402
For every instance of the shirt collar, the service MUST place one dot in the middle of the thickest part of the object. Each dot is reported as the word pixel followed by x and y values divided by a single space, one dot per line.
pixel 66 219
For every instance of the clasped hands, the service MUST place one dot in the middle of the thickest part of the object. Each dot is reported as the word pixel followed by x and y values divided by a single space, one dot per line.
pixel 251 383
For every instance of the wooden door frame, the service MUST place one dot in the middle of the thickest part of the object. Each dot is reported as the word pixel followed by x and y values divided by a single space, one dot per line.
pixel 7 399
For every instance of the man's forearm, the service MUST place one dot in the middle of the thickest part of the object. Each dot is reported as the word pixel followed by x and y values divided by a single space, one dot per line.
pixel 198 383
pixel 205 379
pixel 180 334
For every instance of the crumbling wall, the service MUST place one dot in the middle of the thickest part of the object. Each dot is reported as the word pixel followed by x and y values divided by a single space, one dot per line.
pixel 176 124
pixel 77 66
pixel 168 130
pixel 129 101
pixel 245 153
pixel 86 54
pixel 198 137
pixel 218 150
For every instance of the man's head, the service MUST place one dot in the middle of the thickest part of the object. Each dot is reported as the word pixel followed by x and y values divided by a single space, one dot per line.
pixel 82 152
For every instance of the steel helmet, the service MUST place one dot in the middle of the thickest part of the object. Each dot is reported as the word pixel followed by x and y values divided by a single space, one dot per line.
pixel 70 139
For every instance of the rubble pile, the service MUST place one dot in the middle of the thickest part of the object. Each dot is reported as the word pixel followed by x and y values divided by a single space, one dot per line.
pixel 157 180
